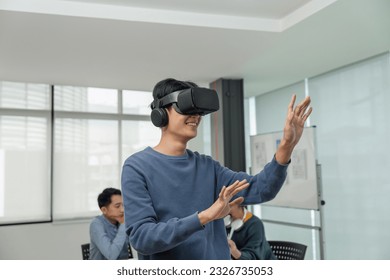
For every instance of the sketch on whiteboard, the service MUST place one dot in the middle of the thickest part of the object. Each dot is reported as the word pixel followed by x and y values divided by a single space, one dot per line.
pixel 261 154
pixel 299 164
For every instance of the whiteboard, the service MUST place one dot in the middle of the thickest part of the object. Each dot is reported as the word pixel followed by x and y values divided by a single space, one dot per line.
pixel 300 190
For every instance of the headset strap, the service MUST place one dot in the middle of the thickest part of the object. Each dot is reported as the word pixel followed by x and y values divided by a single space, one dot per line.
pixel 166 100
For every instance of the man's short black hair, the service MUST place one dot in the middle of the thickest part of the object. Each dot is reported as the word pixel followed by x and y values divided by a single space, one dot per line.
pixel 104 199
pixel 170 85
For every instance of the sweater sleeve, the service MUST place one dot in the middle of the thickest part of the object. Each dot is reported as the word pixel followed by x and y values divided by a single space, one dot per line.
pixel 110 249
pixel 263 187
pixel 148 235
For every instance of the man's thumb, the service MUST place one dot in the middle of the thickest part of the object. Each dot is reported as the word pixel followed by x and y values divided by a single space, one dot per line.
pixel 237 201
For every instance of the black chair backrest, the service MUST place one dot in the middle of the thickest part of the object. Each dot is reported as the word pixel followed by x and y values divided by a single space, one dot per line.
pixel 286 250
pixel 85 251
pixel 130 252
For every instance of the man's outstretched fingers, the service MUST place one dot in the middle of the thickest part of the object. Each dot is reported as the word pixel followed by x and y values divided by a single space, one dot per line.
pixel 239 188
pixel 222 192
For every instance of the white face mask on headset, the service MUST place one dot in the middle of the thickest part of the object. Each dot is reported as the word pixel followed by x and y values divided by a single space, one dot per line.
pixel 234 224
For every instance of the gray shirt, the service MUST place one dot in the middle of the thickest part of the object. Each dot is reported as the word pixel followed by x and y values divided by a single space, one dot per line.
pixel 108 241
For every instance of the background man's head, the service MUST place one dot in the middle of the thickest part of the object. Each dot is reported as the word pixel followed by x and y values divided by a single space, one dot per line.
pixel 111 205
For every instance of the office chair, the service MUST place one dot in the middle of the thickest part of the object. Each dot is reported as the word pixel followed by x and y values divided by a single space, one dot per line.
pixel 286 250
pixel 85 251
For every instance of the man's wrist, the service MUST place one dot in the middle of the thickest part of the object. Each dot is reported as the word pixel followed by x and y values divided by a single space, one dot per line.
pixel 203 218
pixel 283 154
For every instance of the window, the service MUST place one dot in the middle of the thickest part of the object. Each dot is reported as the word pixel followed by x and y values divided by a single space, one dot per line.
pixel 92 138
pixel 24 96
pixel 85 99
pixel 53 166
pixel 24 152
pixel 85 162
pixel 137 135
pixel 136 102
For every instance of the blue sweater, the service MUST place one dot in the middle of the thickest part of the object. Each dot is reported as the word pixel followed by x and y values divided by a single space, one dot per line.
pixel 163 194
pixel 108 241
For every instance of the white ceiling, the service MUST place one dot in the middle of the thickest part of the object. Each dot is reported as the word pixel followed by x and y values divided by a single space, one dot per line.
pixel 271 9
pixel 132 44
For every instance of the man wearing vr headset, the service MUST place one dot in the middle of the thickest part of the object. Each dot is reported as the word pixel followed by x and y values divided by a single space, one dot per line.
pixel 175 199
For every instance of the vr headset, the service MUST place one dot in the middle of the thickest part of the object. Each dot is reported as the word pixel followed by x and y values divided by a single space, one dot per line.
pixel 191 101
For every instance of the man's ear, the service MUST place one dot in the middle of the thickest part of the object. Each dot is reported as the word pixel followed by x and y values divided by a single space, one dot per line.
pixel 104 210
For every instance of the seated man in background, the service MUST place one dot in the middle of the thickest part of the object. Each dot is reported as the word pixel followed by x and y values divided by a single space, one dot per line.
pixel 109 240
pixel 246 236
